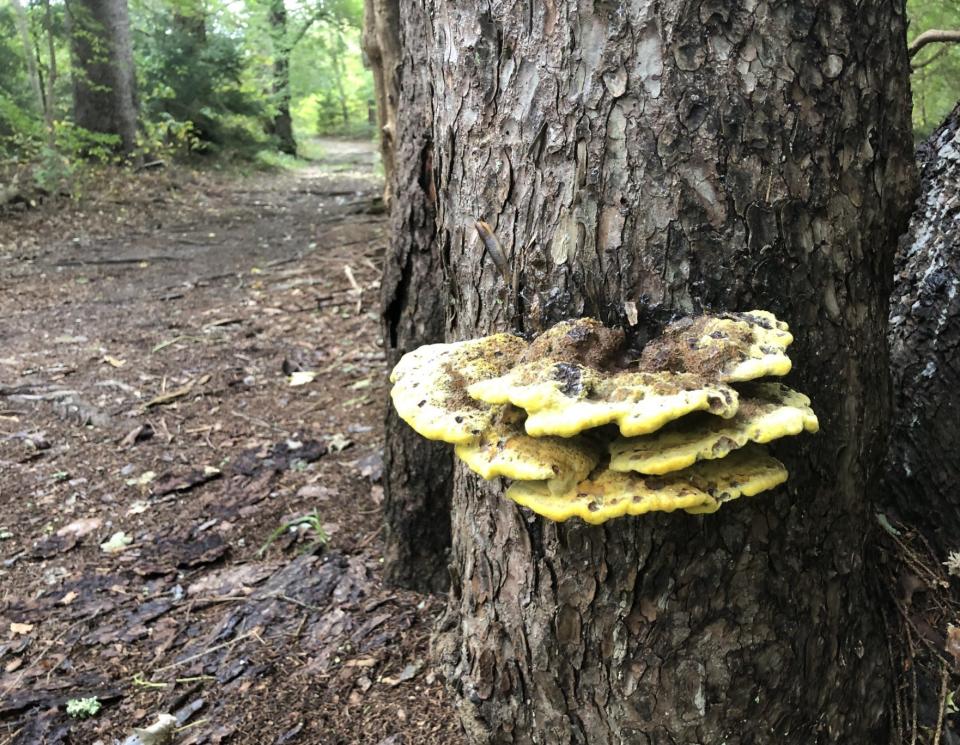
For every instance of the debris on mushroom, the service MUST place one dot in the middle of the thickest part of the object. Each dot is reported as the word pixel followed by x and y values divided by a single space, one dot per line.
pixel 429 385
pixel 504 449
pixel 563 398
pixel 729 347
pixel 583 340
pixel 767 412
pixel 699 489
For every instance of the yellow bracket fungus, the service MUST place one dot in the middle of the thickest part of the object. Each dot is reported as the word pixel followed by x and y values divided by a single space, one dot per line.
pixel 525 411
pixel 730 347
pixel 429 385
pixel 563 398
pixel 700 489
pixel 767 412
pixel 504 449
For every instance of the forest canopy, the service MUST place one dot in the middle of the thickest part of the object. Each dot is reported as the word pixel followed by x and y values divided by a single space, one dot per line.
pixel 212 78
pixel 936 68
pixel 235 79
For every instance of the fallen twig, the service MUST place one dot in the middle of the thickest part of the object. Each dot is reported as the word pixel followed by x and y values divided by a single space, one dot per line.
pixel 207 651
pixel 184 390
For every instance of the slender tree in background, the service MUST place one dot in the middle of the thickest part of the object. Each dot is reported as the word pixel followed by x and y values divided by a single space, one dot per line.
pixel 922 467
pixel 381 45
pixel 682 156
pixel 23 28
pixel 282 123
pixel 417 472
pixel 104 81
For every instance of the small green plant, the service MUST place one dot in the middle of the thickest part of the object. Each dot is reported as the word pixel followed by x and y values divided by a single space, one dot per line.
pixel 311 521
pixel 81 708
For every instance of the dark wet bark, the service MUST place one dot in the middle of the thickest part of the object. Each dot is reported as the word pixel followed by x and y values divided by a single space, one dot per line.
pixel 417 473
pixel 680 155
pixel 922 468
pixel 104 81
pixel 281 126
pixel 381 44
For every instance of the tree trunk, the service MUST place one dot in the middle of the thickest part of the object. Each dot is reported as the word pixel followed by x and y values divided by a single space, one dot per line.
pixel 104 82
pixel 381 44
pixel 922 466
pixel 191 21
pixel 417 473
pixel 684 156
pixel 23 28
pixel 281 126
pixel 336 57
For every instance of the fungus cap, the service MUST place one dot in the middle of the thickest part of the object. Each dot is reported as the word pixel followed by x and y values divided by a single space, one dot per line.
pixel 767 411
pixel 429 385
pixel 564 398
pixel 700 489
pixel 504 449
pixel 744 473
pixel 730 347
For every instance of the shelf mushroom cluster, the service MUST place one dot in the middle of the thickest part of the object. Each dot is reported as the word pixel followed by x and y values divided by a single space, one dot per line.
pixel 584 434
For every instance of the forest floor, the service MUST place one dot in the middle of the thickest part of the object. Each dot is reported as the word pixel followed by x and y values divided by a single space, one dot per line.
pixel 189 367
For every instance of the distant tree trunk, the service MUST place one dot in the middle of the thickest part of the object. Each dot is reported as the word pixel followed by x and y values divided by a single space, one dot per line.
pixel 681 155
pixel 923 469
pixel 23 28
pixel 104 82
pixel 381 44
pixel 49 114
pixel 192 21
pixel 336 58
pixel 281 126
pixel 417 473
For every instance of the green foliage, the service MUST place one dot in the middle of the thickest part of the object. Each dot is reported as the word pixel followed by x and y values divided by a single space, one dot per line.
pixel 332 90
pixel 14 85
pixel 209 76
pixel 21 131
pixel 196 92
pixel 936 83
pixel 311 522
pixel 81 708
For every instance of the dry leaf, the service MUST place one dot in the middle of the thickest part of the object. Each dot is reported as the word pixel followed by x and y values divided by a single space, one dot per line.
pixel 953 641
pixel 80 528
pixel 20 628
pixel 118 542
pixel 113 361
pixel 302 377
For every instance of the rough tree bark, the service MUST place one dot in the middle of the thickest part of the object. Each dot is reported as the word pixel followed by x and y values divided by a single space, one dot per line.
pixel 682 155
pixel 281 126
pixel 381 44
pixel 417 473
pixel 922 467
pixel 104 80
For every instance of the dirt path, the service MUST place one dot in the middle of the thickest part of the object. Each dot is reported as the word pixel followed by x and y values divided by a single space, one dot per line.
pixel 151 443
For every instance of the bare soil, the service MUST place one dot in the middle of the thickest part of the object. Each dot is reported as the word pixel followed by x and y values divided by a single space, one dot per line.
pixel 152 443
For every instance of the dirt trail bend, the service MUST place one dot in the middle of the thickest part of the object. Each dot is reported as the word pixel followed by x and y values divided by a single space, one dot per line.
pixel 152 442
